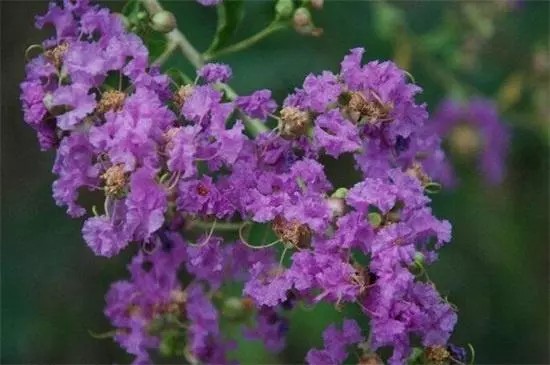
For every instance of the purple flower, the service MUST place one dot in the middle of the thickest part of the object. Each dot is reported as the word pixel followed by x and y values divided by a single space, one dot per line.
pixel 181 150
pixel 162 171
pixel 103 236
pixel 270 328
pixel 146 204
pixel 203 197
pixel 204 106
pixel 207 261
pixel 268 284
pixel 61 19
pixel 317 94
pixel 76 99
pixel 257 105
pixel 336 344
pixel 473 128
pixel 215 72
pixel 335 134
pixel 75 168
pixel 132 136
pixel 205 343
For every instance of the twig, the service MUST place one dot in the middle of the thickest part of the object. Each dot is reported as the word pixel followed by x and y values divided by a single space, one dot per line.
pixel 245 43
pixel 176 39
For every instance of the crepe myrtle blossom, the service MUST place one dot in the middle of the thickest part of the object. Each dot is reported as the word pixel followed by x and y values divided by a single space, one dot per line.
pixel 176 169
pixel 472 129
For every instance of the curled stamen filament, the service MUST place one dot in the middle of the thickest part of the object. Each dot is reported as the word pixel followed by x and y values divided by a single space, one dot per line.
pixel 245 242
pixel 173 181
pixel 283 256
pixel 208 237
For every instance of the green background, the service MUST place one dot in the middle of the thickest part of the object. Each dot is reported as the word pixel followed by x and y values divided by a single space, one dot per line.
pixel 495 270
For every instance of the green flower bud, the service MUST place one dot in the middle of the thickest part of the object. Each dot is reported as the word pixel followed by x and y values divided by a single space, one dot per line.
pixel 141 15
pixel 301 18
pixel 375 219
pixel 284 8
pixel 163 21
pixel 419 259
pixel 317 4
pixel 340 193
pixel 235 308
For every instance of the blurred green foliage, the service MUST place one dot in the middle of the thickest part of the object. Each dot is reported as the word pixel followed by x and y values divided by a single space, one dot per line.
pixel 496 269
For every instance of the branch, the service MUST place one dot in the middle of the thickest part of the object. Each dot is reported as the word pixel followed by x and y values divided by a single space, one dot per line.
pixel 245 43
pixel 176 39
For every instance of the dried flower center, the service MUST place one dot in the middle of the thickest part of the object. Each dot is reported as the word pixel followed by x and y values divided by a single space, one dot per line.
pixel 183 93
pixel 111 100
pixel 437 355
pixel 293 232
pixel 115 181
pixel 294 122
pixel 363 278
pixel 465 140
pixel 417 171
pixel 370 359
pixel 56 54
pixel 178 296
pixel 370 110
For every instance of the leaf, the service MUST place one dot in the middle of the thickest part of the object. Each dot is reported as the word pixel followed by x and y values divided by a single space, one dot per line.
pixel 230 14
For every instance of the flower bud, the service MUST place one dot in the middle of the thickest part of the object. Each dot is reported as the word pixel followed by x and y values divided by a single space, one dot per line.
pixel 303 23
pixel 284 8
pixel 301 18
pixel 340 193
pixel 141 15
pixel 375 219
pixel 163 21
pixel 236 308
pixel 419 259
pixel 317 4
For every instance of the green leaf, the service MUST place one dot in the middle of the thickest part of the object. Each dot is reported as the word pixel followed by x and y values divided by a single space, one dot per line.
pixel 230 14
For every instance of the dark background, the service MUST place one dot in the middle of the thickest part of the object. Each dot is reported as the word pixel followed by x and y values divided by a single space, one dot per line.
pixel 495 271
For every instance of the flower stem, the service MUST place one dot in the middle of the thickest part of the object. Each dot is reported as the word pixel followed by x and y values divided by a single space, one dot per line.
pixel 176 39
pixel 218 226
pixel 248 42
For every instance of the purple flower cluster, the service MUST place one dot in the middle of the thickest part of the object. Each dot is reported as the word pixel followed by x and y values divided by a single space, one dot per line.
pixel 171 160
pixel 472 129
